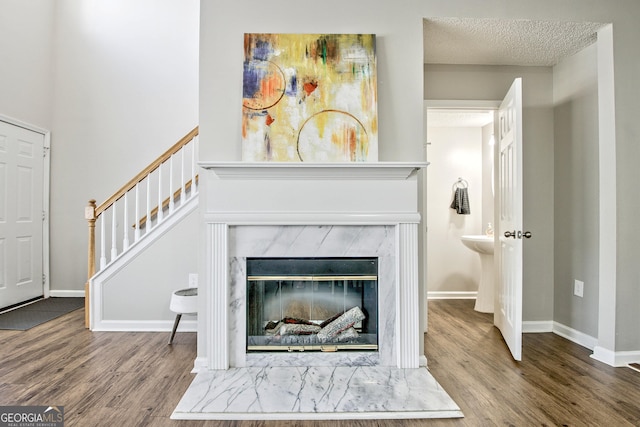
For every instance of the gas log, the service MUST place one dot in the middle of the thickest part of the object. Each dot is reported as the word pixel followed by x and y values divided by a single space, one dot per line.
pixel 336 328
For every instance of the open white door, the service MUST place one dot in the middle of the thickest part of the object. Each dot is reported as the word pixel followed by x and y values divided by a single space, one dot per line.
pixel 21 214
pixel 508 313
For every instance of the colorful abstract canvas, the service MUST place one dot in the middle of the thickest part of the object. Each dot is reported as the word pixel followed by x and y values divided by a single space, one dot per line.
pixel 309 98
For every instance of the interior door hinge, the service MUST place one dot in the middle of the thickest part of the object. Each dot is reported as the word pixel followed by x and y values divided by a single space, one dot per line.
pixel 44 279
pixel 45 151
pixel 44 215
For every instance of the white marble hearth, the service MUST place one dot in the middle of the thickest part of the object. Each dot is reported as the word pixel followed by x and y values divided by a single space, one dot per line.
pixel 290 393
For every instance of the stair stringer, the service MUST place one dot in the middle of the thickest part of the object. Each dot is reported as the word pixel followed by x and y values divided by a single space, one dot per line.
pixel 102 283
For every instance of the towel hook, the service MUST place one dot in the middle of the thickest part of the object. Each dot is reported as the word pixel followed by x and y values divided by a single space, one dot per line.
pixel 460 183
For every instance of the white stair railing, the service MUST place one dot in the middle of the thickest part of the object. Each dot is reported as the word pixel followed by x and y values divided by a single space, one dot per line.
pixel 158 190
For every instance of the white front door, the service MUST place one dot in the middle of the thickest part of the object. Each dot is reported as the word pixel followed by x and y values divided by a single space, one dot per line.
pixel 21 214
pixel 508 313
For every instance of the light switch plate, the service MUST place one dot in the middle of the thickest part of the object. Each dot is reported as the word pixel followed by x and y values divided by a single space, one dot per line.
pixel 193 280
pixel 578 288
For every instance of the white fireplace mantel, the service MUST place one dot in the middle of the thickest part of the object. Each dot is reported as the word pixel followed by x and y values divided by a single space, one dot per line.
pixel 310 210
pixel 313 171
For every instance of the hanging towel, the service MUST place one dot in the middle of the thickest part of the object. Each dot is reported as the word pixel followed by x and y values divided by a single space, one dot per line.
pixel 461 201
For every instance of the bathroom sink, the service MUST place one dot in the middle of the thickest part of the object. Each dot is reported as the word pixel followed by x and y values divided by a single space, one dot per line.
pixel 483 246
pixel 479 243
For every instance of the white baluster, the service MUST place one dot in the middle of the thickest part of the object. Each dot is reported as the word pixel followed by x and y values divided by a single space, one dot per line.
pixel 197 149
pixel 125 239
pixel 136 235
pixel 148 223
pixel 193 166
pixel 160 212
pixel 114 223
pixel 103 243
pixel 171 202
pixel 183 194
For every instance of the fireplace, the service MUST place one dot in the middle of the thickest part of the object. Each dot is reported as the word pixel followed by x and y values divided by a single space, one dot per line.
pixel 285 232
pixel 321 215
pixel 312 304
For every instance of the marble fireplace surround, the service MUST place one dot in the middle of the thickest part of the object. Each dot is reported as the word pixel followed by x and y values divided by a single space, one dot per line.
pixel 309 210
pixel 303 241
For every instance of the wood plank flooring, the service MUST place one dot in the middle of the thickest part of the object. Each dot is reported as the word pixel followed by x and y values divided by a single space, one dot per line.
pixel 136 379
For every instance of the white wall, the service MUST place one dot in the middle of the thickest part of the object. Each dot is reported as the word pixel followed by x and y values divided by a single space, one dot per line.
pixel 125 79
pixel 488 142
pixel 26 30
pixel 453 152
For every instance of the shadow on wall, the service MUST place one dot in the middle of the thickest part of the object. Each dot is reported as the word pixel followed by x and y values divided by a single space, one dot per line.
pixel 459 281
pixel 456 221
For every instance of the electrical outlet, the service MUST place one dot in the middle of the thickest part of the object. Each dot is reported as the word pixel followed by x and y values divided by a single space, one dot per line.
pixel 193 280
pixel 578 288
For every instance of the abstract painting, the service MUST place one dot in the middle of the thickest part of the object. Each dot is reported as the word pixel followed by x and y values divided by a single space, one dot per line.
pixel 309 98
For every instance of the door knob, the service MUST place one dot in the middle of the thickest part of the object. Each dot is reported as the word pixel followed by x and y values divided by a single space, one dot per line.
pixel 508 234
pixel 527 234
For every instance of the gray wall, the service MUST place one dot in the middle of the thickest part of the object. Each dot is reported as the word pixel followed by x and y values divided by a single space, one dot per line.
pixel 127 84
pixel 140 291
pixel 399 31
pixel 125 79
pixel 576 190
pixel 26 43
pixel 223 26
pixel 460 82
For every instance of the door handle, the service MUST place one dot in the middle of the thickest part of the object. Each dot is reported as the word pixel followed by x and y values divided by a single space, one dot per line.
pixel 517 235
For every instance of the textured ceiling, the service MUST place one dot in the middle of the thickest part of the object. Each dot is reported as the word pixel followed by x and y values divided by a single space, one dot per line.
pixel 504 42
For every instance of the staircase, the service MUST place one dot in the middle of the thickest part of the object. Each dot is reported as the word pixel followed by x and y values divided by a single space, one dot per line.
pixel 140 212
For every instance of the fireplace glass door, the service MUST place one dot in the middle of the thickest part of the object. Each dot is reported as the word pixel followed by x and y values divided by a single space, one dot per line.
pixel 312 304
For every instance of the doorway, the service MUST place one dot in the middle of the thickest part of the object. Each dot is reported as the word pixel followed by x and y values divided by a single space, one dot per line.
pixel 24 196
pixel 460 151
pixel 459 75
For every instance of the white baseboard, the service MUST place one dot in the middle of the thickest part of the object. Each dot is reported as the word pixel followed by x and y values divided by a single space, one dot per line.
pixel 452 295
pixel 615 358
pixel 200 365
pixel 145 326
pixel 605 356
pixel 537 327
pixel 66 293
pixel 575 336
pixel 423 361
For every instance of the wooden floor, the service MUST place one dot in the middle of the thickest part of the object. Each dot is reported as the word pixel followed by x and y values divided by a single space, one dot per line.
pixel 136 379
